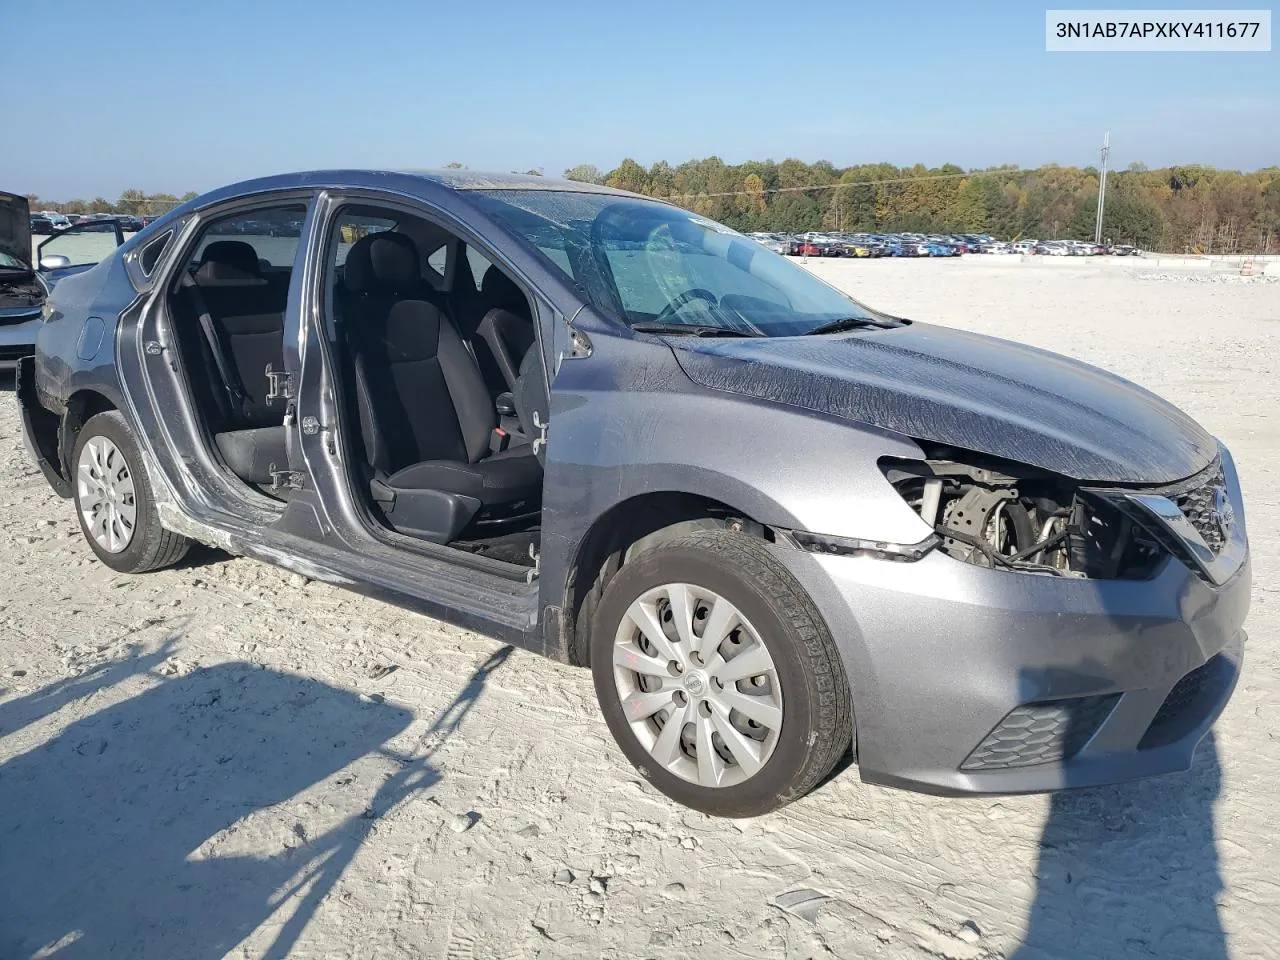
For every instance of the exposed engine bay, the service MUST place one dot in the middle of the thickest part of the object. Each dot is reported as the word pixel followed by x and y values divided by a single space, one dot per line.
pixel 19 289
pixel 1001 515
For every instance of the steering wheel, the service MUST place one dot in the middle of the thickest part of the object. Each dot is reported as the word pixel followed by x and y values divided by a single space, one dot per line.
pixel 697 293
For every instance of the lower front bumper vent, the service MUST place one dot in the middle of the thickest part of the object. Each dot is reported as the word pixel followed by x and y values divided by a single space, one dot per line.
pixel 1044 732
pixel 1181 710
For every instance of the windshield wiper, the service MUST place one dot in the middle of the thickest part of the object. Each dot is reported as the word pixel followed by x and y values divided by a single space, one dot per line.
pixel 692 330
pixel 844 323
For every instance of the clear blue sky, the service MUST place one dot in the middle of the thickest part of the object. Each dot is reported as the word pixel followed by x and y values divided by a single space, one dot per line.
pixel 172 95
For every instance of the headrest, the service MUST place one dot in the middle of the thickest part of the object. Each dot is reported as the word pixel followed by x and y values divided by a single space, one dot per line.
pixel 412 331
pixel 383 263
pixel 500 291
pixel 225 260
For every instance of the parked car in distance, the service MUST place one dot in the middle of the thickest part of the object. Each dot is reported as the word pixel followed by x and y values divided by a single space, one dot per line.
pixel 1052 248
pixel 59 221
pixel 41 225
pixel 432 393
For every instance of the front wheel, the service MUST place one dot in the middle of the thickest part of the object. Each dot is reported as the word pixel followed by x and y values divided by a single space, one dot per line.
pixel 718 677
pixel 113 499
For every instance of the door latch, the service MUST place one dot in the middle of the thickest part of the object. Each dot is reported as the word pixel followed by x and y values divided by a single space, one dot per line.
pixel 279 384
pixel 540 440
pixel 285 479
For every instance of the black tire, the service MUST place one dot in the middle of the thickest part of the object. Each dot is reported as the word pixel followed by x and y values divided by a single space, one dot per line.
pixel 152 547
pixel 817 727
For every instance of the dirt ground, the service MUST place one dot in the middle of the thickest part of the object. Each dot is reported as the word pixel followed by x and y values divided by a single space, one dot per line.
pixel 227 759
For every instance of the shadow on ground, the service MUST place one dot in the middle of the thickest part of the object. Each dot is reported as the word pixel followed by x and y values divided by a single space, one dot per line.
pixel 105 829
pixel 1131 871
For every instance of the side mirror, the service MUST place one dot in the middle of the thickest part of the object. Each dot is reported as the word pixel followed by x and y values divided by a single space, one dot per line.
pixel 55 261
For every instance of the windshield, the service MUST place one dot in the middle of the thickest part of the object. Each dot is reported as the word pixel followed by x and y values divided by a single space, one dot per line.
pixel 646 263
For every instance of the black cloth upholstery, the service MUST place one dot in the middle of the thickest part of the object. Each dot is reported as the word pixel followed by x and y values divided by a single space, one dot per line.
pixel 251 454
pixel 232 260
pixel 426 417
pixel 499 292
pixel 385 263
pixel 508 338
pixel 506 477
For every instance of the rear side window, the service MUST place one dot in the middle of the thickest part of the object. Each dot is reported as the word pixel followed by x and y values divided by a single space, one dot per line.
pixel 273 232
pixel 152 251
pixel 479 266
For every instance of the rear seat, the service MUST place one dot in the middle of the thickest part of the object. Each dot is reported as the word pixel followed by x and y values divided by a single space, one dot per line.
pixel 246 310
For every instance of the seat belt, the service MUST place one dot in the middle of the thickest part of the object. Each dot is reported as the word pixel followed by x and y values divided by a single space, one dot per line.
pixel 226 368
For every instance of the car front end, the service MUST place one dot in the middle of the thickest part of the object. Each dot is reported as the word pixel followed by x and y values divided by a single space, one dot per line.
pixel 22 295
pixel 1066 608
pixel 1103 658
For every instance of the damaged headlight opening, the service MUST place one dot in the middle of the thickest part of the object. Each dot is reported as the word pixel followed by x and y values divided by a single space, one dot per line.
pixel 1001 515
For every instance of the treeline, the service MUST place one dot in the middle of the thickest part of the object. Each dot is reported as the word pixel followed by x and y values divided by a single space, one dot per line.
pixel 1174 209
pixel 1179 209
pixel 132 202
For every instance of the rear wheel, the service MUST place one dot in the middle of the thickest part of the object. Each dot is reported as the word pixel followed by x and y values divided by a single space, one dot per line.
pixel 114 502
pixel 718 677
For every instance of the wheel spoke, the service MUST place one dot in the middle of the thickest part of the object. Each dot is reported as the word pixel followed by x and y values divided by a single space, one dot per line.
pixel 645 617
pixel 744 750
pixel 748 663
pixel 759 709
pixel 711 765
pixel 629 657
pixel 666 749
pixel 723 618
pixel 641 705
pixel 682 607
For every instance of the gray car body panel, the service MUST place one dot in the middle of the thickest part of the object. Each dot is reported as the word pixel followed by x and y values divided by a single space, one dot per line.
pixel 787 434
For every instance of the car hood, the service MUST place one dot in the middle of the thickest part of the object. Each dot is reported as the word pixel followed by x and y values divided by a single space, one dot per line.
pixel 965 390
pixel 15 227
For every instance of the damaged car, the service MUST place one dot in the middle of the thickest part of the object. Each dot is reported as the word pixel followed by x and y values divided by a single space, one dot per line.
pixel 24 286
pixel 778 526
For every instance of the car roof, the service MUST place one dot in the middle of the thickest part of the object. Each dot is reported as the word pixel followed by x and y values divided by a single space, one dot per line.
pixel 398 181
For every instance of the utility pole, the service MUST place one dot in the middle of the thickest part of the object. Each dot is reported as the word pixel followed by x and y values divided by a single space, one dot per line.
pixel 1102 187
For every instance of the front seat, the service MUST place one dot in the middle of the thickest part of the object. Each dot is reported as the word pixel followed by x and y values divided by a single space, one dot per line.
pixel 507 326
pixel 427 422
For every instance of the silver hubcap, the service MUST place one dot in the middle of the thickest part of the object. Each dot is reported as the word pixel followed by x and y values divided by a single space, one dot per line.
pixel 104 491
pixel 697 685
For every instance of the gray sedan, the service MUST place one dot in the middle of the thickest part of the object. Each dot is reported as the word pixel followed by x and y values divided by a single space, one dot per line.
pixel 777 525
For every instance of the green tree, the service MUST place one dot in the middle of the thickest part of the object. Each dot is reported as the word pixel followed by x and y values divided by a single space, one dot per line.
pixel 132 201
pixel 628 175
pixel 585 173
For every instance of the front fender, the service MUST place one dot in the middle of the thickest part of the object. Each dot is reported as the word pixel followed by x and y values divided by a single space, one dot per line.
pixel 627 421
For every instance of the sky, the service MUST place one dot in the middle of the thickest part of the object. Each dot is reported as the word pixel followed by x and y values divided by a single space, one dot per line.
pixel 169 95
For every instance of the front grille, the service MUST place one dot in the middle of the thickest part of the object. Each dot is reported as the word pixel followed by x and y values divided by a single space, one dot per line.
pixel 1177 715
pixel 1200 506
pixel 1041 733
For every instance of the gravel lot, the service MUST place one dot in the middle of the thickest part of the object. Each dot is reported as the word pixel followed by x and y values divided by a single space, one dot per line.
pixel 216 760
